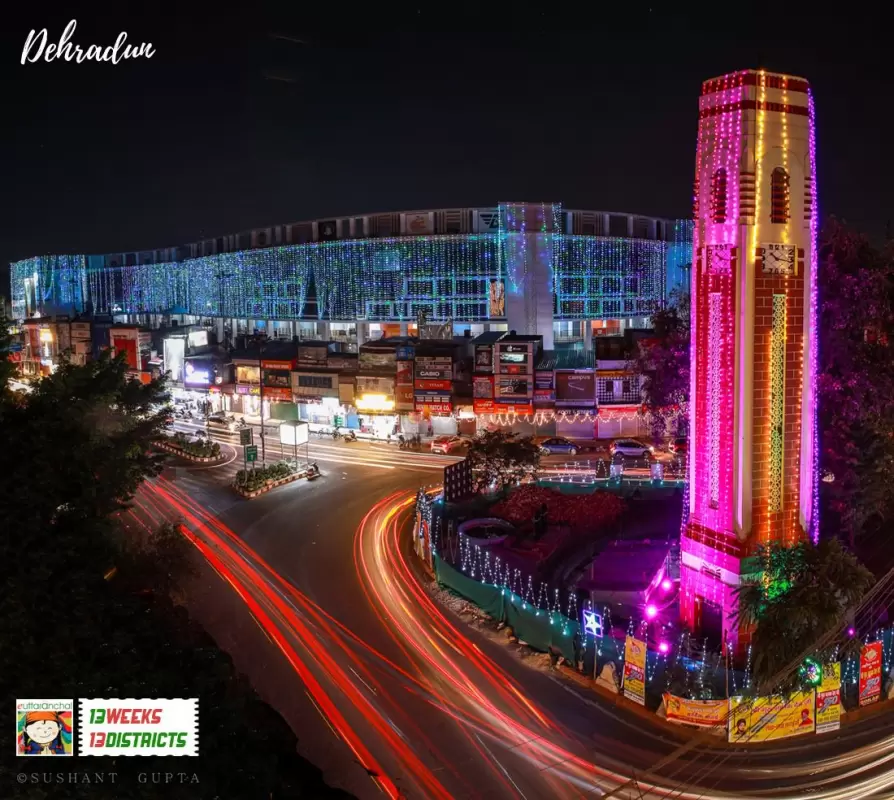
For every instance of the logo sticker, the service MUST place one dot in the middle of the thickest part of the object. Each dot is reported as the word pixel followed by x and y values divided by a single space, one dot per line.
pixel 144 727
pixel 44 727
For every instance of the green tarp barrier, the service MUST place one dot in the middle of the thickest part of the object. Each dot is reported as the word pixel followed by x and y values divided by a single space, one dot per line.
pixel 532 625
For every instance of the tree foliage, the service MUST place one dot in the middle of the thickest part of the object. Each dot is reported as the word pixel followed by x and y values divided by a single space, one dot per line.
pixel 86 612
pixel 502 459
pixel 856 381
pixel 801 594
pixel 664 365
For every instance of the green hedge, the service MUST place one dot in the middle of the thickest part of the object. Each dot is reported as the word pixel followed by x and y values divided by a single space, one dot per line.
pixel 202 448
pixel 250 480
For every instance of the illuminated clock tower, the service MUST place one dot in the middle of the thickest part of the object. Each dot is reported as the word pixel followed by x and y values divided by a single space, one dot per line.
pixel 753 446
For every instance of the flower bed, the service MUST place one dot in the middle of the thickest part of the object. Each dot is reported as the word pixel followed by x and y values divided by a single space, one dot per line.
pixel 252 482
pixel 580 512
pixel 202 450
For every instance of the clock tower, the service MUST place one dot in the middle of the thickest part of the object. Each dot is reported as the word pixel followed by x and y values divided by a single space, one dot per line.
pixel 753 445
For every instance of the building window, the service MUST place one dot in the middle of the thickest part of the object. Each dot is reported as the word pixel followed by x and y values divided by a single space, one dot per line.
pixel 779 196
pixel 315 381
pixel 718 195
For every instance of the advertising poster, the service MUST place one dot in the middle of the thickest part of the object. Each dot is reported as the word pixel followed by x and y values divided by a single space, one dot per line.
pixel 702 713
pixel 635 670
pixel 870 673
pixel 763 719
pixel 484 358
pixel 828 699
pixel 514 390
pixel 434 368
pixel 576 388
pixel 404 373
pixel 198 373
pixel 482 388
pixel 496 299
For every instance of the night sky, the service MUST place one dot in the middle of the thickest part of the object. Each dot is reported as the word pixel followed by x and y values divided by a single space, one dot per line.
pixel 228 127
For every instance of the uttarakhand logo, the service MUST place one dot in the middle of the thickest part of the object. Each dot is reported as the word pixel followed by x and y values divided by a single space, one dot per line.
pixel 44 727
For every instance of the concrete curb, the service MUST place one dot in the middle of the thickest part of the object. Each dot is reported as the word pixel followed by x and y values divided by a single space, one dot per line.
pixel 269 487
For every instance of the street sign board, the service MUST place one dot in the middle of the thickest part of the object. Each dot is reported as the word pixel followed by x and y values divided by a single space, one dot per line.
pixel 251 452
pixel 246 436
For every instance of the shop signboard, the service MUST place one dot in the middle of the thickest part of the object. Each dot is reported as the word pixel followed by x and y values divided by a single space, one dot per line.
pixel 432 398
pixel 870 673
pixel 272 393
pixel 576 388
pixel 828 699
pixel 198 338
pixel 494 407
pixel 700 713
pixel 242 388
pixel 434 368
pixel 514 359
pixel 513 390
pixel 404 399
pixel 437 409
pixel 198 373
pixel 763 719
pixel 277 365
pixel 80 331
pixel 488 220
pixel 434 386
pixel 635 670
pixel 404 353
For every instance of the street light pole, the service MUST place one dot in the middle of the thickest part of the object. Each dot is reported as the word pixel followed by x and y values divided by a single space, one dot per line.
pixel 261 395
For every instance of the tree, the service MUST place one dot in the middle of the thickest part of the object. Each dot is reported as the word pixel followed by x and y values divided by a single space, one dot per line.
pixel 855 382
pixel 801 594
pixel 664 365
pixel 502 459
pixel 75 452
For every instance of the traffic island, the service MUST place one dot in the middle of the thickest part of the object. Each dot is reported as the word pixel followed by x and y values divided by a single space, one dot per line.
pixel 250 483
pixel 198 452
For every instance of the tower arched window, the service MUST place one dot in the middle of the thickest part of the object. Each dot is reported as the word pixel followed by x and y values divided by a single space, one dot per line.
pixel 780 193
pixel 718 195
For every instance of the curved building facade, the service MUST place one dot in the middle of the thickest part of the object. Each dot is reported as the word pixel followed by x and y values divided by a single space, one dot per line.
pixel 524 265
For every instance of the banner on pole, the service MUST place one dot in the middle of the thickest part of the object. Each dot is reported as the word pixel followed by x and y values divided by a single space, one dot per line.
pixel 870 673
pixel 635 670
pixel 828 699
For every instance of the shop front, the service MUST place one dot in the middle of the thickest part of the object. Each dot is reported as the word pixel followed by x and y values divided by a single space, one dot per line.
pixel 376 406
pixel 576 403
pixel 316 391
pixel 247 396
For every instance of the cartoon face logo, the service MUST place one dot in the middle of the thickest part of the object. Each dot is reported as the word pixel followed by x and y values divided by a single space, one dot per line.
pixel 43 731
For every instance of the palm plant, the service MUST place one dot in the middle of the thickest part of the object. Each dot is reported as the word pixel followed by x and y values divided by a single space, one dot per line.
pixel 801 593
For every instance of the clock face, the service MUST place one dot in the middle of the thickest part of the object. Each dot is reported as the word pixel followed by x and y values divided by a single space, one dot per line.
pixel 778 259
pixel 719 258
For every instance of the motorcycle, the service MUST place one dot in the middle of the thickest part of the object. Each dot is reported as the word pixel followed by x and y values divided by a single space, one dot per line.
pixel 313 471
pixel 335 434
pixel 242 424
pixel 350 436
pixel 402 443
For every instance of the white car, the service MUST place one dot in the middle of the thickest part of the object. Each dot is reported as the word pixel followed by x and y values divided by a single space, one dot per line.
pixel 448 444
pixel 631 448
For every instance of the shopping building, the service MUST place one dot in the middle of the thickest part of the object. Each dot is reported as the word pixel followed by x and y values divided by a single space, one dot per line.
pixel 535 268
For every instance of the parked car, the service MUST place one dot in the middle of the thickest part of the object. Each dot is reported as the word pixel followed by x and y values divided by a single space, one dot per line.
pixel 679 447
pixel 631 448
pixel 559 445
pixel 448 444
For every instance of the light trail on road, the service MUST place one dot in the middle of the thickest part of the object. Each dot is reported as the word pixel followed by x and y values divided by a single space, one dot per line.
pixel 483 735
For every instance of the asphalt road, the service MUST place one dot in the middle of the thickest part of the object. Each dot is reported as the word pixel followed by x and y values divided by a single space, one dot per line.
pixel 389 693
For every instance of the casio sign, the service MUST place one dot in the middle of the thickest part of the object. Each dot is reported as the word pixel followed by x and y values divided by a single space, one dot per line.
pixel 430 373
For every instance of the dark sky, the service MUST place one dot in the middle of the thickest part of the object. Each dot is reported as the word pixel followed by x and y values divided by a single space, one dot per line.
pixel 201 141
